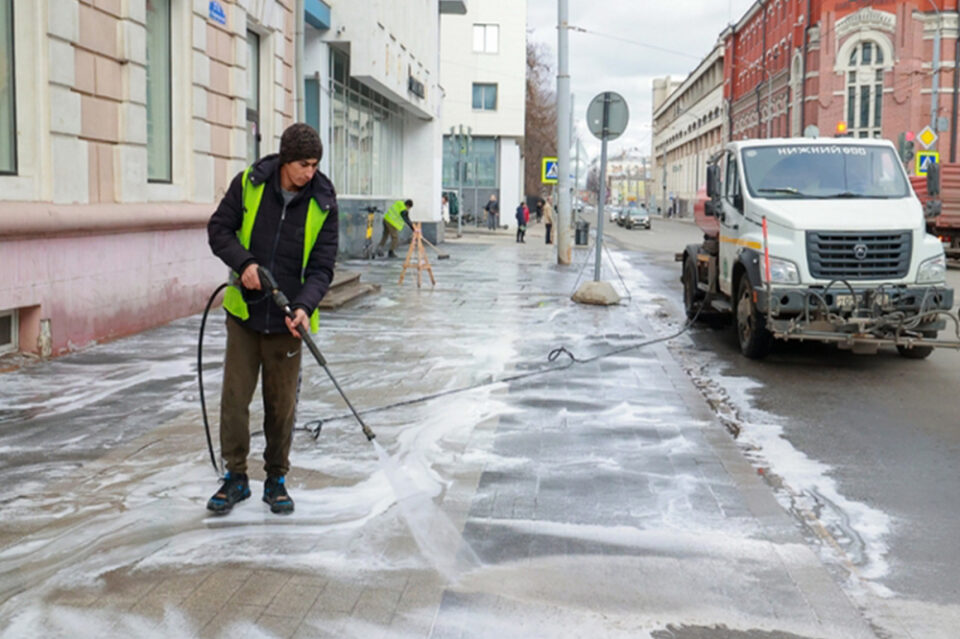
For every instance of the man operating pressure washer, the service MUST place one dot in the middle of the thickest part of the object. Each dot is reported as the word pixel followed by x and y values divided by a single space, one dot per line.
pixel 281 213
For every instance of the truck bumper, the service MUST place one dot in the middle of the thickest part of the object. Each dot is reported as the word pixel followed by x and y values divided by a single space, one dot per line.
pixel 785 302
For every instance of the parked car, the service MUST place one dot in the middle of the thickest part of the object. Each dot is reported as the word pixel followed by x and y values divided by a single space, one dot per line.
pixel 637 218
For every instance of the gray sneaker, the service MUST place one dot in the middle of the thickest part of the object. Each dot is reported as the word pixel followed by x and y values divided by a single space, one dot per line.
pixel 235 489
pixel 275 494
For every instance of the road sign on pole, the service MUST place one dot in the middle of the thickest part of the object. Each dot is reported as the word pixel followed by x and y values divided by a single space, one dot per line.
pixel 549 170
pixel 927 137
pixel 607 118
pixel 924 160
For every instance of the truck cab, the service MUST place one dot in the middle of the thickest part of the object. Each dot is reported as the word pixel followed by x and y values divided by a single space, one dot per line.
pixel 817 239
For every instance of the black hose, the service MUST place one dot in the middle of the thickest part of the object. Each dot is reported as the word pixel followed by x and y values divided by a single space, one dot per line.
pixel 551 357
pixel 203 402
pixel 318 423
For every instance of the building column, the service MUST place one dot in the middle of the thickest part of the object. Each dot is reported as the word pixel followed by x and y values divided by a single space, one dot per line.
pixel 130 154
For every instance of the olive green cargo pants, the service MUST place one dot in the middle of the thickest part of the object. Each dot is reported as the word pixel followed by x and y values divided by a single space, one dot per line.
pixel 278 356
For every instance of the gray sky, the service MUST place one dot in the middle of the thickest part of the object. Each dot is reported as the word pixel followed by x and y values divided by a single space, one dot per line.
pixel 599 63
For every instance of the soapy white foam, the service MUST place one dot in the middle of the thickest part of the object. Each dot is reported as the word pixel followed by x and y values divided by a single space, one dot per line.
pixel 808 486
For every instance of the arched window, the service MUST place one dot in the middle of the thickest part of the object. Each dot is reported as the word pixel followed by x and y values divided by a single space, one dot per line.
pixel 864 76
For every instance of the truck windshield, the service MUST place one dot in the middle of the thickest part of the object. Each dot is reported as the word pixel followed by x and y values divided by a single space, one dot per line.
pixel 823 171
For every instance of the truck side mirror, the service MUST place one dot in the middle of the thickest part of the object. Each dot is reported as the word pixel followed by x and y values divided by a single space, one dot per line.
pixel 933 179
pixel 708 210
pixel 713 181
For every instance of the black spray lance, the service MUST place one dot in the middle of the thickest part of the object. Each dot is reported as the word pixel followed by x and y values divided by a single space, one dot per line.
pixel 268 282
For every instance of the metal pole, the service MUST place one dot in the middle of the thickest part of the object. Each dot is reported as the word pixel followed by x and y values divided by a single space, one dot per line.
pixel 934 106
pixel 457 149
pixel 576 171
pixel 663 205
pixel 769 105
pixel 603 185
pixel 563 135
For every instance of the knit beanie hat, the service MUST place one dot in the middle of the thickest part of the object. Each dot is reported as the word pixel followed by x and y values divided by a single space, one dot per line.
pixel 300 142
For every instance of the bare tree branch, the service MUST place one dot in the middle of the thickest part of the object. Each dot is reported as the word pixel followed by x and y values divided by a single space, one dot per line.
pixel 540 135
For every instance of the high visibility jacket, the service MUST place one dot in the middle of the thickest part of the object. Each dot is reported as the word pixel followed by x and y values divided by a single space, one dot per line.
pixel 233 301
pixel 394 215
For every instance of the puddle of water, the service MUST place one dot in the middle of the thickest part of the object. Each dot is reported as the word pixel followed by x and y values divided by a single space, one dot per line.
pixel 436 536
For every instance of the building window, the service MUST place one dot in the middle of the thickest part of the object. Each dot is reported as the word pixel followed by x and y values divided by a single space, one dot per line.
pixel 367 136
pixel 159 104
pixel 253 97
pixel 8 94
pixel 486 38
pixel 478 164
pixel 865 90
pixel 9 333
pixel 485 97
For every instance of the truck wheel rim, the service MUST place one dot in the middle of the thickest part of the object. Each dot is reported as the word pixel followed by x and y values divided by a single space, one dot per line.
pixel 745 317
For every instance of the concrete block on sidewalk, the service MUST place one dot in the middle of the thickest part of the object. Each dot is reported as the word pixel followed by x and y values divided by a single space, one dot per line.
pixel 597 293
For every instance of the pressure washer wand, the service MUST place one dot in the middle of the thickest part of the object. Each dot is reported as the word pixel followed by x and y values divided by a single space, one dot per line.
pixel 267 280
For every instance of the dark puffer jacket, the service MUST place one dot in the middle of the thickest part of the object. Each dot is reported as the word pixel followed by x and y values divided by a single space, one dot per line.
pixel 277 242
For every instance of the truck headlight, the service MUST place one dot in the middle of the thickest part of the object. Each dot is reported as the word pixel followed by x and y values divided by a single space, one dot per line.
pixel 932 270
pixel 783 272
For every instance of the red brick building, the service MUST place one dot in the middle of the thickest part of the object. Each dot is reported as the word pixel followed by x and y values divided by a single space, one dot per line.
pixel 790 64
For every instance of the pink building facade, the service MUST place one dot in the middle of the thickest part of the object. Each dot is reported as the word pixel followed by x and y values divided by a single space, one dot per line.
pixel 130 117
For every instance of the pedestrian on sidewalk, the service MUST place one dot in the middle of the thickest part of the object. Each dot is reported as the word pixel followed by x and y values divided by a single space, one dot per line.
pixel 393 220
pixel 539 207
pixel 493 212
pixel 548 218
pixel 445 209
pixel 281 213
pixel 523 216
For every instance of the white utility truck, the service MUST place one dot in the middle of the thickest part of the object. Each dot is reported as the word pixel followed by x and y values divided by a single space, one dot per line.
pixel 820 240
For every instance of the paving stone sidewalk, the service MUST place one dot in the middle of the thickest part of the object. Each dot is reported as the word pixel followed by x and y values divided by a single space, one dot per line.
pixel 603 499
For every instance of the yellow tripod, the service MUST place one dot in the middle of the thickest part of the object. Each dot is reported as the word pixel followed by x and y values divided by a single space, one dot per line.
pixel 422 263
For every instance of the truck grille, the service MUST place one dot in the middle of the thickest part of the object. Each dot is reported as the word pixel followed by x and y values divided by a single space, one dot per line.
pixel 858 256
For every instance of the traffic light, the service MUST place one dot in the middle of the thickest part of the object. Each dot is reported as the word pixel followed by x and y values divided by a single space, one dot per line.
pixel 906 146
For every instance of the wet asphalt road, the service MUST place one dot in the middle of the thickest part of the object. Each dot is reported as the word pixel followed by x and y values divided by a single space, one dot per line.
pixel 886 426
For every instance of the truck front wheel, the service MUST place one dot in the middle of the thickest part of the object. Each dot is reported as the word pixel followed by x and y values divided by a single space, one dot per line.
pixel 692 295
pixel 918 352
pixel 755 340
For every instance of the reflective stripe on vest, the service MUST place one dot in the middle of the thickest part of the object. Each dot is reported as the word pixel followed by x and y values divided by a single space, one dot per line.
pixel 393 217
pixel 233 301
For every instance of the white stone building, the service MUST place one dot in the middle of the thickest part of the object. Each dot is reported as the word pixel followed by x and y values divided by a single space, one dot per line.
pixel 483 75
pixel 371 74
pixel 688 125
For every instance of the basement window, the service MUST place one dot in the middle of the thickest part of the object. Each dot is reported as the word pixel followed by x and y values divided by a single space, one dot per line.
pixel 9 334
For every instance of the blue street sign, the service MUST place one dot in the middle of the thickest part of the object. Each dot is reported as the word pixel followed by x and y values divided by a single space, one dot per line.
pixel 924 160
pixel 216 13
pixel 550 171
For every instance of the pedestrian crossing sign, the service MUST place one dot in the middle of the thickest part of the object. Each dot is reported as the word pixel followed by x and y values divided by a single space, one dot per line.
pixel 924 160
pixel 550 171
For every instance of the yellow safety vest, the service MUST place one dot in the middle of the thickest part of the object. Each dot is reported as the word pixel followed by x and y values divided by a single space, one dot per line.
pixel 233 301
pixel 393 217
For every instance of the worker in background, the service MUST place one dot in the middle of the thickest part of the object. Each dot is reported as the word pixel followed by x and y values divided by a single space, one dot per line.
pixel 280 213
pixel 548 218
pixel 393 220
